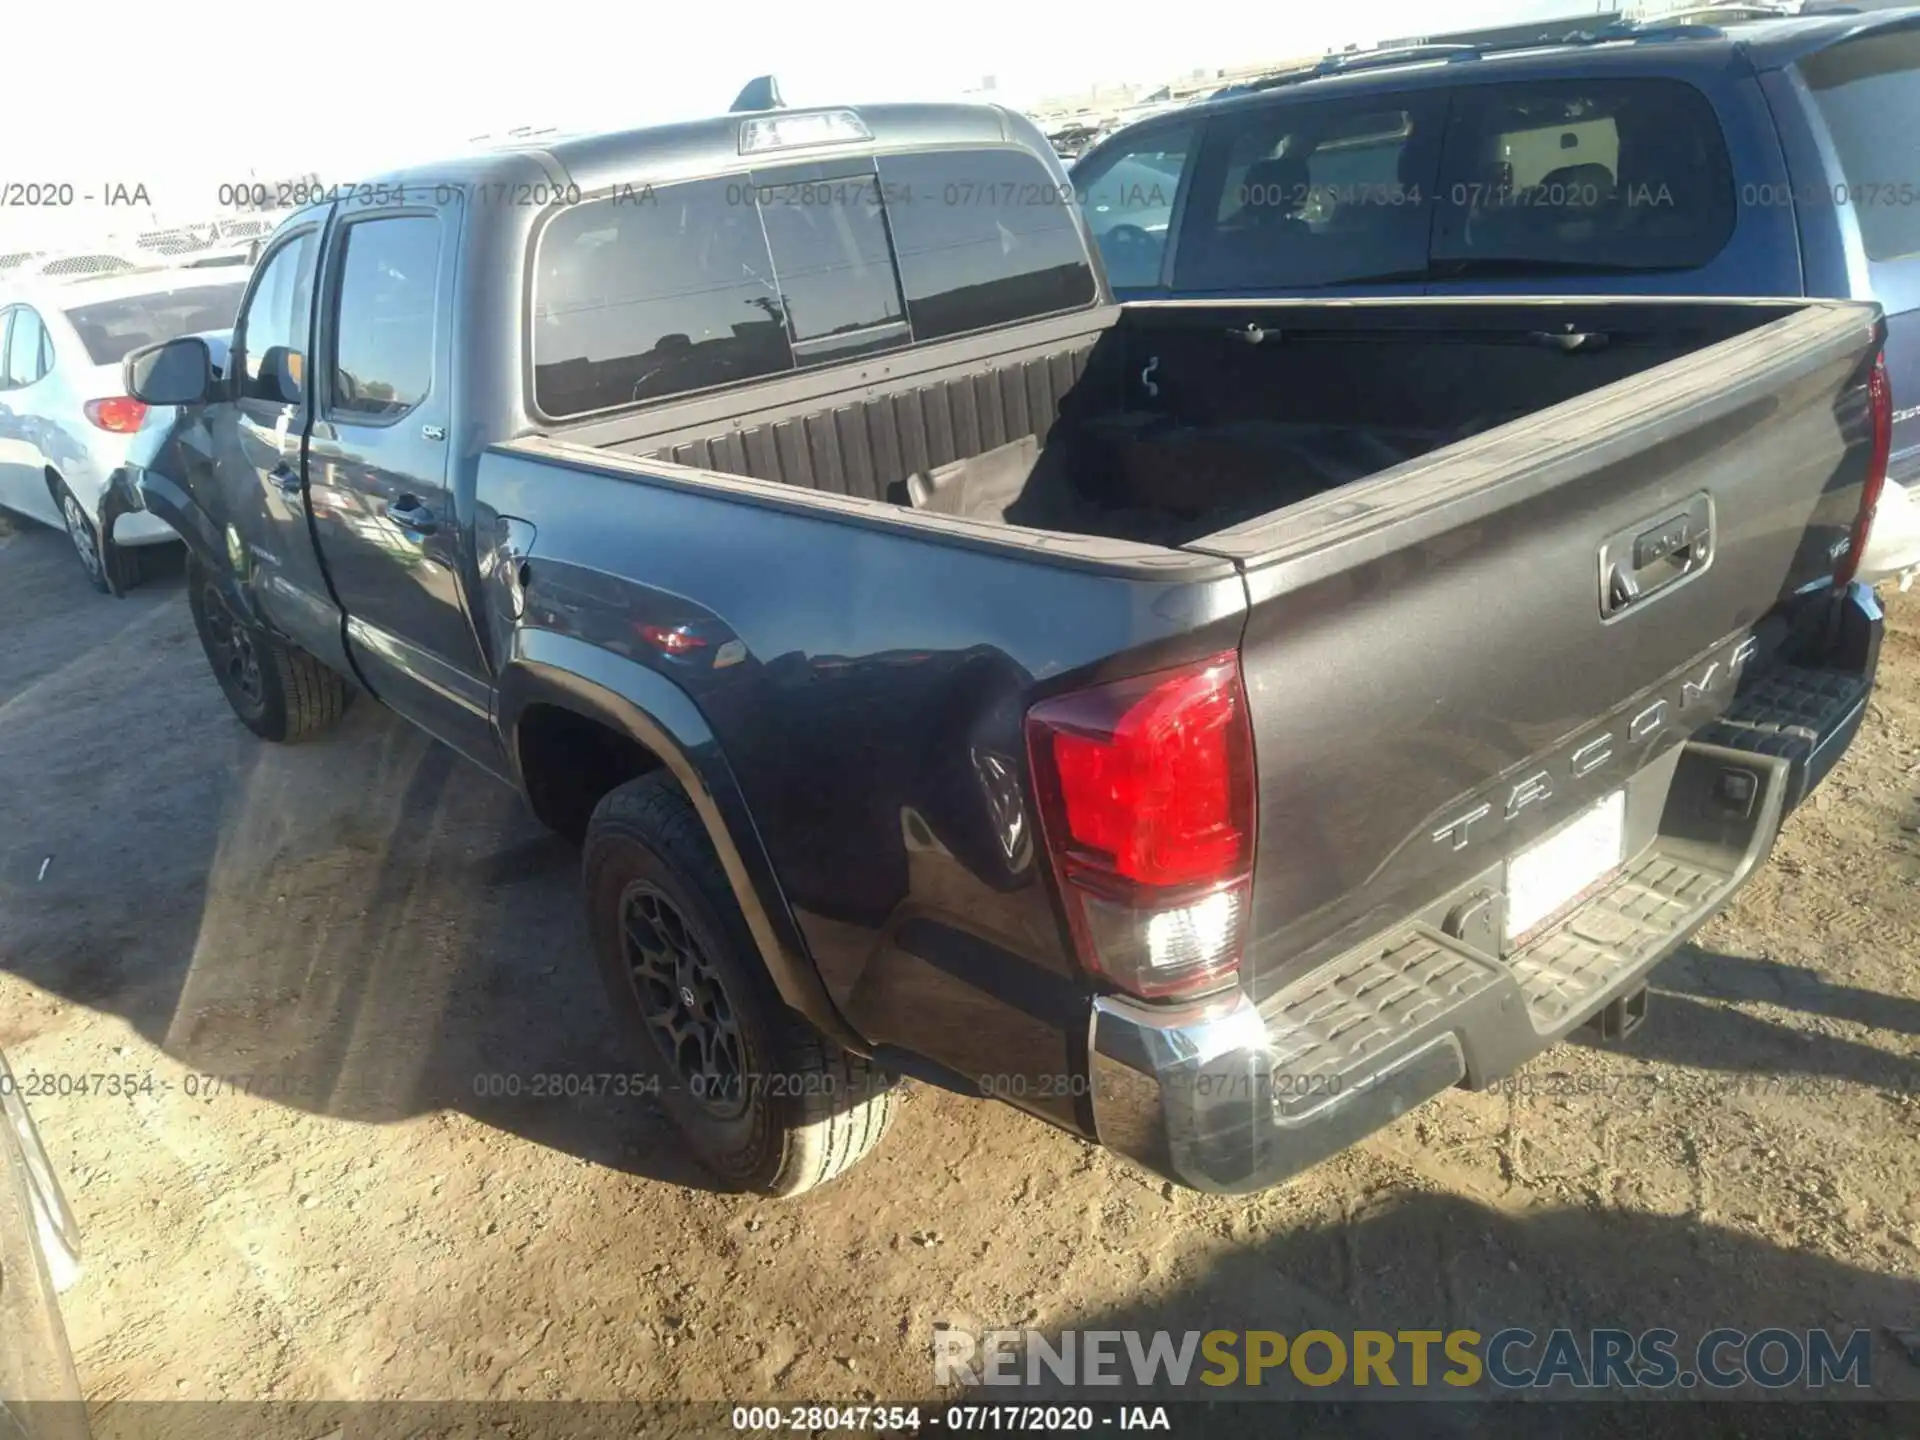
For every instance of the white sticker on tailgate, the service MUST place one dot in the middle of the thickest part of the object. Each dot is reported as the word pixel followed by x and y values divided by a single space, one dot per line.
pixel 1545 876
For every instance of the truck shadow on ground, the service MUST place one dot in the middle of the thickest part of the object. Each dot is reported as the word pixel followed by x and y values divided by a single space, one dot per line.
pixel 362 926
pixel 1690 1023
pixel 1411 1260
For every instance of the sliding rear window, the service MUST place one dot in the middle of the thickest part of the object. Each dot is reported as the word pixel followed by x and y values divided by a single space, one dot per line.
pixel 1868 92
pixel 984 238
pixel 828 237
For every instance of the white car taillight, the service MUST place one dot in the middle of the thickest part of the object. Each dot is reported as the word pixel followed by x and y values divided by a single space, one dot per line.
pixel 121 414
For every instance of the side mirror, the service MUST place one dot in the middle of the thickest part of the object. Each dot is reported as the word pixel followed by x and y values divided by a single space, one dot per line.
pixel 286 370
pixel 174 372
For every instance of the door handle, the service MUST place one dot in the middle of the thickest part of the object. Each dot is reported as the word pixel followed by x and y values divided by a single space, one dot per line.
pixel 409 514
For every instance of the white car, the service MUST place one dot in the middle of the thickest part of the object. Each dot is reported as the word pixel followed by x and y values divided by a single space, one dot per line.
pixel 1893 542
pixel 65 419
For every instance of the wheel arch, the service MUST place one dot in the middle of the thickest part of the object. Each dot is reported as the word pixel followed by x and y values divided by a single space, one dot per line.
pixel 554 685
pixel 205 540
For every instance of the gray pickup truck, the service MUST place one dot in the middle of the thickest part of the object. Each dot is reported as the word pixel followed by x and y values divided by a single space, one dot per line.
pixel 1213 727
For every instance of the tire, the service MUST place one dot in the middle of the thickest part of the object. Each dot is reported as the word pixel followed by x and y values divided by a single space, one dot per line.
pixel 777 1108
pixel 278 690
pixel 83 535
pixel 128 564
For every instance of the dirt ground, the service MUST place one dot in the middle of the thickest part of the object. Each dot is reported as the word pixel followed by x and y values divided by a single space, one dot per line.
pixel 368 930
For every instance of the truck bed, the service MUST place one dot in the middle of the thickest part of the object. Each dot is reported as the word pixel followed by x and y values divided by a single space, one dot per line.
pixel 1163 423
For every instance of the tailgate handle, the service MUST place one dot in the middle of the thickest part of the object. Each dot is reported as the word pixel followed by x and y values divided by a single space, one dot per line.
pixel 1643 559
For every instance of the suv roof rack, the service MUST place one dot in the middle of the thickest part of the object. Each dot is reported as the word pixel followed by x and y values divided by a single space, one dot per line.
pixel 1341 63
pixel 1348 62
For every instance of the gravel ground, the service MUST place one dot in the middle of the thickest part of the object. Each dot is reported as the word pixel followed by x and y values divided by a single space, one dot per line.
pixel 368 930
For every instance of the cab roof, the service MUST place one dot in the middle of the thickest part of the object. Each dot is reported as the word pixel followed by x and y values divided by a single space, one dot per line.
pixel 687 149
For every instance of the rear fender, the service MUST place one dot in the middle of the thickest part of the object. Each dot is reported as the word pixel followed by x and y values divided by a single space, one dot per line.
pixel 544 668
pixel 219 554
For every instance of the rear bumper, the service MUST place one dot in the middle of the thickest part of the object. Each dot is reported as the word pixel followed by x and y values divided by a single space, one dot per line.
pixel 1230 1096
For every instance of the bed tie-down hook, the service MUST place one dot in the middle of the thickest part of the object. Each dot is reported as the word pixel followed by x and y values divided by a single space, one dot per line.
pixel 1147 381
pixel 1252 332
pixel 1568 340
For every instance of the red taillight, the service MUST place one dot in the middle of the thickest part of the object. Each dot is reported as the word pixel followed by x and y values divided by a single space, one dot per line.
pixel 1880 404
pixel 1147 807
pixel 675 641
pixel 121 415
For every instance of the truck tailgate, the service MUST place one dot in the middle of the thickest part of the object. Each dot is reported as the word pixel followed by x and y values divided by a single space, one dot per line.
pixel 1450 663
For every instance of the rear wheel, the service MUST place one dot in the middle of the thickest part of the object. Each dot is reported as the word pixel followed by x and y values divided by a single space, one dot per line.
pixel 86 541
pixel 278 690
pixel 765 1101
pixel 85 537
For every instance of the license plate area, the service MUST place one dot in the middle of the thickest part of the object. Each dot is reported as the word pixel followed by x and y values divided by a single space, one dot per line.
pixel 1552 873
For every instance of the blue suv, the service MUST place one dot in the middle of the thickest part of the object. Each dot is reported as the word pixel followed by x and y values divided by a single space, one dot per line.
pixel 1780 157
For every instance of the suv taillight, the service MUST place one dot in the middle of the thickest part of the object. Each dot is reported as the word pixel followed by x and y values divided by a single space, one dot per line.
pixel 1146 793
pixel 1880 404
pixel 122 414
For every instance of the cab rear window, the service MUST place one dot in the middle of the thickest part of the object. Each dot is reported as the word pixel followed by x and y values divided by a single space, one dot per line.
pixel 714 282
pixel 634 300
pixel 1868 93
pixel 984 238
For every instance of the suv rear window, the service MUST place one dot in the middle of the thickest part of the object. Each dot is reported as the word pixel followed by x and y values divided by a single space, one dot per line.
pixel 1307 194
pixel 110 329
pixel 1868 92
pixel 1583 174
pixel 691 286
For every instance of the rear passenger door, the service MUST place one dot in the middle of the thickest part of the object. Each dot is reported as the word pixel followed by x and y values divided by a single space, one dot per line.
pixel 1865 107
pixel 378 474
pixel 1313 197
